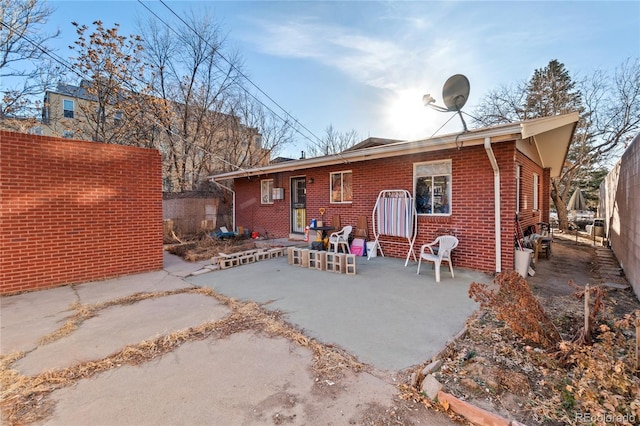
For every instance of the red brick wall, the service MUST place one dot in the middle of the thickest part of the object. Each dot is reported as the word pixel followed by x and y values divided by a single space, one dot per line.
pixel 471 220
pixel 74 211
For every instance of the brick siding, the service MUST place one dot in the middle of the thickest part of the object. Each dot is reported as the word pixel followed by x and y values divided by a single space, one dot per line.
pixel 75 211
pixel 472 201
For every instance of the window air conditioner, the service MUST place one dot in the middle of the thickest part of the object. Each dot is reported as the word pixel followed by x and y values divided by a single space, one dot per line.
pixel 278 193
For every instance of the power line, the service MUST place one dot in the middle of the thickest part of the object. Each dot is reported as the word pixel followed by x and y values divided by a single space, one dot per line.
pixel 239 73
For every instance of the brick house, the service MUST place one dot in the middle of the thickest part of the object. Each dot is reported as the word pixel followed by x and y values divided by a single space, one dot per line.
pixel 470 185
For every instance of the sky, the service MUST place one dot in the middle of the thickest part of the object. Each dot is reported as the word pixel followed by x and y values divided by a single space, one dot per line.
pixel 365 65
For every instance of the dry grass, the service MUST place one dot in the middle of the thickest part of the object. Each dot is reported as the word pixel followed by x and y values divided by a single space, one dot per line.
pixel 23 399
pixel 202 247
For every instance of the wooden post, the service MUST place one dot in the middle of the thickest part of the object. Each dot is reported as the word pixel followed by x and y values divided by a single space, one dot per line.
pixel 637 344
pixel 587 314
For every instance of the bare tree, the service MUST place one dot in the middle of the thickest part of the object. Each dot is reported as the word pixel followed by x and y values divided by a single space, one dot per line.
pixel 25 72
pixel 609 106
pixel 195 85
pixel 333 142
pixel 502 105
pixel 113 99
pixel 271 132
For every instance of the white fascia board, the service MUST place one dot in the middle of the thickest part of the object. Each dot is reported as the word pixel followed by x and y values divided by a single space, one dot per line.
pixel 391 150
pixel 500 133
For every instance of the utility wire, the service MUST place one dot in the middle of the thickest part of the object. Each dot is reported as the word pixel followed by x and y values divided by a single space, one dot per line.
pixel 239 73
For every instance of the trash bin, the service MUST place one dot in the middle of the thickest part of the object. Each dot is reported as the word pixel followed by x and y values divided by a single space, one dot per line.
pixel 372 251
pixel 523 260
pixel 598 228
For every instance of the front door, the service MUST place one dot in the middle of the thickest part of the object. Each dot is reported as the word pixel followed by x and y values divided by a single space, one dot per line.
pixel 298 205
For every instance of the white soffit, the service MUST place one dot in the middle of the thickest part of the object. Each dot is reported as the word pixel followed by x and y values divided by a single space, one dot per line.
pixel 547 141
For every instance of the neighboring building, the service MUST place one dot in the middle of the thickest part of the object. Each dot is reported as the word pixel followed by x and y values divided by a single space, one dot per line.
pixel 61 112
pixel 65 112
pixel 470 184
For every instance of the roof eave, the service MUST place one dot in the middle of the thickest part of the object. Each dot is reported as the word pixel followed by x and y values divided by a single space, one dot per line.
pixel 501 133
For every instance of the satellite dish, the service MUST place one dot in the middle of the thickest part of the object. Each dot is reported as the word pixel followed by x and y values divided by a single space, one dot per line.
pixel 456 92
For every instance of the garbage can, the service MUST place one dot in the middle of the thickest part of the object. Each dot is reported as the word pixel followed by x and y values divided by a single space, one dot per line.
pixel 523 260
pixel 372 250
pixel 598 228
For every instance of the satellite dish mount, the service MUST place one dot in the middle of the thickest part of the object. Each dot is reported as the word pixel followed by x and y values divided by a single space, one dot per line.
pixel 454 95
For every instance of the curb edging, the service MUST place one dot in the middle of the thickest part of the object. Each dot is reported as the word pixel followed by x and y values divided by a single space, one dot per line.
pixel 474 414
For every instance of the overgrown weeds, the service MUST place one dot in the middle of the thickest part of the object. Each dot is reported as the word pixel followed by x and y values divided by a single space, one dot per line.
pixel 586 378
pixel 514 303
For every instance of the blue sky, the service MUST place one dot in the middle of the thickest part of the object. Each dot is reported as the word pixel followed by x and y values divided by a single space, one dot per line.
pixel 365 66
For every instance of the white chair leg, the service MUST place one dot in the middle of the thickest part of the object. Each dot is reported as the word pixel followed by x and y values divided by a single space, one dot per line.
pixel 419 262
pixel 451 269
pixel 437 266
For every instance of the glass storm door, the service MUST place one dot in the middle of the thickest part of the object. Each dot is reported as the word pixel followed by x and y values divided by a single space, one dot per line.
pixel 298 205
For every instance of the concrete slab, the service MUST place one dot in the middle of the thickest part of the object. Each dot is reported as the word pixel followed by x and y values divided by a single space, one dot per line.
pixel 119 326
pixel 25 318
pixel 176 266
pixel 149 282
pixel 386 315
pixel 244 379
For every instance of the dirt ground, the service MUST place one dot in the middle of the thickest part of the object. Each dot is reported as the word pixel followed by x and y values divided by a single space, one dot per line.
pixel 493 368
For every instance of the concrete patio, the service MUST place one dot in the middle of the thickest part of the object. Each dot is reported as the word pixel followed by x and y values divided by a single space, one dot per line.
pixel 386 314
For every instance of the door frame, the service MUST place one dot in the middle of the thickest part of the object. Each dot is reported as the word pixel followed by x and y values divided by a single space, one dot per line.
pixel 297 232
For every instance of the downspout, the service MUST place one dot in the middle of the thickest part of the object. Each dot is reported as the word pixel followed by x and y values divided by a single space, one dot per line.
pixel 233 203
pixel 496 192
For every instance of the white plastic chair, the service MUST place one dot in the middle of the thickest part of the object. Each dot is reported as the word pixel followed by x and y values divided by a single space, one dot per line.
pixel 445 245
pixel 340 238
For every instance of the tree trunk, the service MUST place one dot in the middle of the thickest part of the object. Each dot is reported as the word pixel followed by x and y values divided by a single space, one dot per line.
pixel 561 207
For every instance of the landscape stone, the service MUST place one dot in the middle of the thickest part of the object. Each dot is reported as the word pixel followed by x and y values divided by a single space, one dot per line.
pixel 431 386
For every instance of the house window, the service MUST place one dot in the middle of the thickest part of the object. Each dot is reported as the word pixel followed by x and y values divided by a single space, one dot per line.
pixel 432 187
pixel 67 134
pixel 518 174
pixel 266 191
pixel 117 117
pixel 67 108
pixel 536 190
pixel 341 188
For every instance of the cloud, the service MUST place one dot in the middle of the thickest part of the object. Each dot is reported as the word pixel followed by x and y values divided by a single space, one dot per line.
pixel 378 60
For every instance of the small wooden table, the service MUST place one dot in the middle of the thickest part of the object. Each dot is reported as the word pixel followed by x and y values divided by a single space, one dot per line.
pixel 325 229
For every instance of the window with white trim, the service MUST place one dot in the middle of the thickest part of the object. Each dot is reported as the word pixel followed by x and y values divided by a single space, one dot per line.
pixel 536 190
pixel 432 187
pixel 266 191
pixel 518 175
pixel 67 108
pixel 341 187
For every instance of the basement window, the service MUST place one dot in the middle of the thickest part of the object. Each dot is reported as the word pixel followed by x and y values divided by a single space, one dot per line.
pixel 432 187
